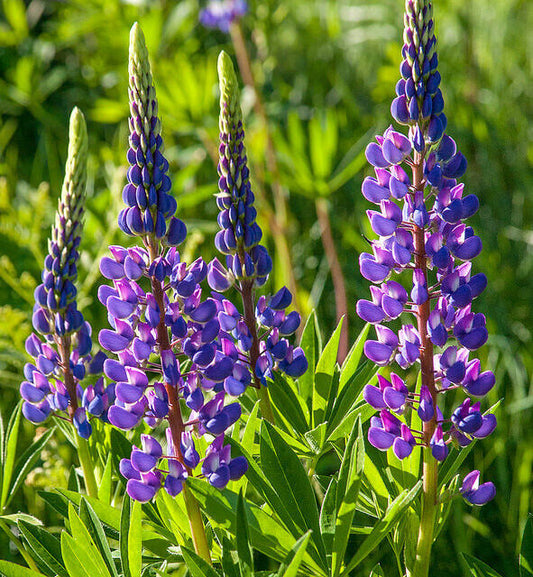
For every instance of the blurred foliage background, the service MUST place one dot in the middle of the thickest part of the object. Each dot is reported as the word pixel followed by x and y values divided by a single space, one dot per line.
pixel 325 71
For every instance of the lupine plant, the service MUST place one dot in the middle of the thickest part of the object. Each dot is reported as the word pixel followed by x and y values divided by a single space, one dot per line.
pixel 187 470
pixel 422 235
pixel 62 343
pixel 260 332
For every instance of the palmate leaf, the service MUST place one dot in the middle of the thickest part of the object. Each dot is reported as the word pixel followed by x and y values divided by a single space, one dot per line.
pixel 350 476
pixel 290 481
pixel 478 568
pixel 383 527
pixel 80 553
pixel 266 534
pixel 45 546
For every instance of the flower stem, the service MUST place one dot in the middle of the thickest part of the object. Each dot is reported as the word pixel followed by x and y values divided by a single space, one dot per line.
pixel 196 524
pixel 87 467
pixel 247 294
pixel 339 286
pixel 429 474
pixel 175 422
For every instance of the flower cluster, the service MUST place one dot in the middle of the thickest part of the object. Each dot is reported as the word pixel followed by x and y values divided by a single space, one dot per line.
pixel 172 354
pixel 62 352
pixel 222 14
pixel 261 337
pixel 422 234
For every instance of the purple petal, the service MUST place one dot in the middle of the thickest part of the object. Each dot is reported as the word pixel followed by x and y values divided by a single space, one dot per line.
pixel 138 491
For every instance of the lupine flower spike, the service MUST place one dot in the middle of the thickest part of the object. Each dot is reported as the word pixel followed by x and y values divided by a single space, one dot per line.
pixel 61 345
pixel 421 234
pixel 172 362
pixel 260 332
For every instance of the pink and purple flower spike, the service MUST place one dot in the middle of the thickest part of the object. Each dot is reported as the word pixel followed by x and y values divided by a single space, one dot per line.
pixel 171 361
pixel 261 339
pixel 61 344
pixel 434 210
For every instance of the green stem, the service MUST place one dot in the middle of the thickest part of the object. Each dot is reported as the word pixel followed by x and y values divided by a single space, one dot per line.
pixel 196 524
pixel 87 467
pixel 18 544
pixel 264 404
pixel 427 520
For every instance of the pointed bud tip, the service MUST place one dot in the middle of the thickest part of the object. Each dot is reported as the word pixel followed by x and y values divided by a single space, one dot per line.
pixel 227 79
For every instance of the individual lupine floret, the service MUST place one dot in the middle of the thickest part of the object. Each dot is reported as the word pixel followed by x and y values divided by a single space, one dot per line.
pixel 248 262
pixel 421 231
pixel 62 355
pixel 164 331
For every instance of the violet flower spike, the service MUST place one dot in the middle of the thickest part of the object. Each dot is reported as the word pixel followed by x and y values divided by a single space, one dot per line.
pixel 248 263
pixel 62 343
pixel 422 236
pixel 159 318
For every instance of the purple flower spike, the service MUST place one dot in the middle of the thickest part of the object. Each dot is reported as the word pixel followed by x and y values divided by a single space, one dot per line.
pixel 475 493
pixel 420 234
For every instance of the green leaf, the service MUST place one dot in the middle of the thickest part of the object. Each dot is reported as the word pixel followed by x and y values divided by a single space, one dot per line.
pixel 311 346
pixel 45 545
pixel 104 489
pixel 328 514
pixel 383 527
pixel 26 462
pixel 290 481
pixel 13 570
pixel 246 559
pixel 86 550
pixel 197 566
pixel 351 363
pixel 73 483
pixel 173 515
pixel 131 537
pixel 10 454
pixel 287 404
pixel 350 394
pixel 76 567
pixel 350 476
pixel 93 525
pixel 377 571
pixel 526 550
pixel 289 568
pixel 324 376
pixel 250 430
pixel 266 534
pixel 478 568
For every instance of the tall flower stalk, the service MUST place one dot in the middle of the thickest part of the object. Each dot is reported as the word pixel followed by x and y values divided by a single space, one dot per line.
pixel 261 330
pixel 421 233
pixel 226 15
pixel 173 362
pixel 62 342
